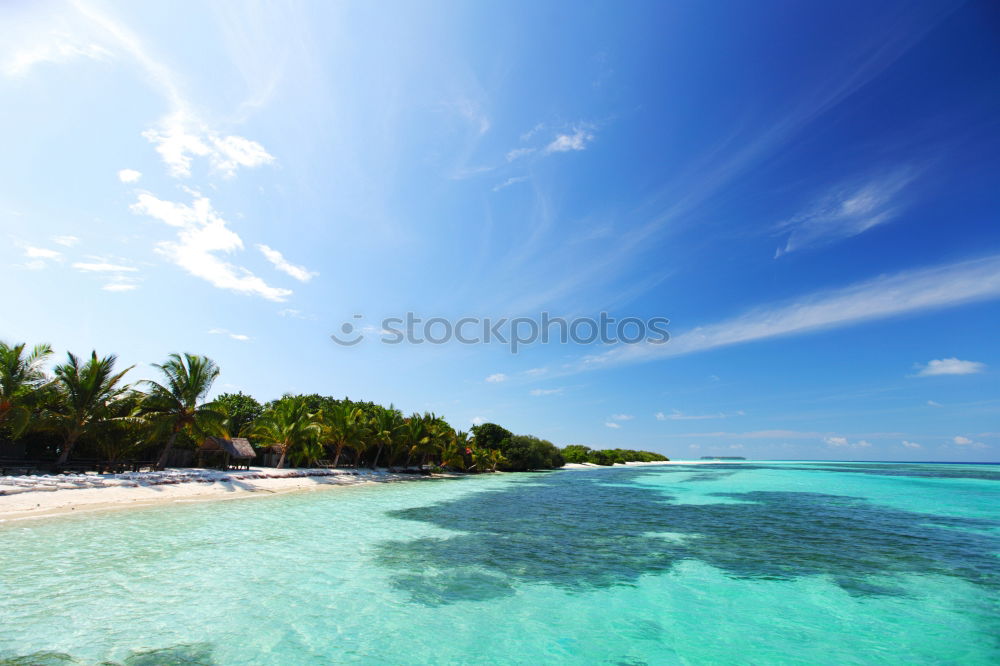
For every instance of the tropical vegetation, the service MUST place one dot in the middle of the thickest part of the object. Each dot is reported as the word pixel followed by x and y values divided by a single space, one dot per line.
pixel 86 410
pixel 577 453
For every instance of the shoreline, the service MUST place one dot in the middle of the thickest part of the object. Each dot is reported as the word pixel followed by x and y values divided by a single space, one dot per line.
pixel 572 466
pixel 37 497
pixel 52 496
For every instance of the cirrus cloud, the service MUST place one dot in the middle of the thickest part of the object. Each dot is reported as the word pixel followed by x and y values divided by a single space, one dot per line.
pixel 202 235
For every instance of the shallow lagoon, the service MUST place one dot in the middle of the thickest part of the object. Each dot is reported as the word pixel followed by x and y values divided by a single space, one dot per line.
pixel 732 563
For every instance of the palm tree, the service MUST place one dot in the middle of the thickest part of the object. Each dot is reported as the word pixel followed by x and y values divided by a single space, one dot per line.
pixel 464 444
pixel 496 458
pixel 85 394
pixel 176 405
pixel 344 426
pixel 386 427
pixel 416 436
pixel 481 460
pixel 21 380
pixel 288 425
pixel 121 433
pixel 441 438
pixel 452 455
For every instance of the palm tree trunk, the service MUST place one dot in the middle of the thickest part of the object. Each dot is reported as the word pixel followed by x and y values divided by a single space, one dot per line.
pixel 67 448
pixel 336 458
pixel 281 460
pixel 377 454
pixel 162 462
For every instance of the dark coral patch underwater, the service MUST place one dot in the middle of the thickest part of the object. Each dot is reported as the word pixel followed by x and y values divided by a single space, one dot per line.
pixel 598 530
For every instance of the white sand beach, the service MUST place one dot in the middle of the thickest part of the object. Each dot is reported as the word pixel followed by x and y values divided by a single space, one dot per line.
pixel 43 496
pixel 30 497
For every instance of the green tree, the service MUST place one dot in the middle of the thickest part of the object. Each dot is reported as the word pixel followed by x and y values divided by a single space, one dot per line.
pixel 576 453
pixel 495 459
pixel 490 435
pixel 416 437
pixel 290 426
pixel 344 426
pixel 85 393
pixel 386 426
pixel 526 452
pixel 455 450
pixel 122 433
pixel 242 412
pixel 176 406
pixel 21 383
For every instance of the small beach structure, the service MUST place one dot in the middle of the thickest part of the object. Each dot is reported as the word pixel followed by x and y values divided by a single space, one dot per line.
pixel 225 453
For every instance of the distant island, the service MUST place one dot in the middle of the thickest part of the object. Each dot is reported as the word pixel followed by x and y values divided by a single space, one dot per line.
pixel 723 458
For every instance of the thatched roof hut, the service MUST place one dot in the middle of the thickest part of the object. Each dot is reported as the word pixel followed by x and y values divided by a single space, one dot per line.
pixel 237 449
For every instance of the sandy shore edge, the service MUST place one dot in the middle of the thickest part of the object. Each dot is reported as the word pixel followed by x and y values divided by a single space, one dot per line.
pixel 61 502
pixel 48 503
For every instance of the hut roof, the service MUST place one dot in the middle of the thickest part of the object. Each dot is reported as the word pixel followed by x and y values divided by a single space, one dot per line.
pixel 237 447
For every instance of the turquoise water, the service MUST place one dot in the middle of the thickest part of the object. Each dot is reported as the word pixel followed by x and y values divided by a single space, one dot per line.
pixel 787 563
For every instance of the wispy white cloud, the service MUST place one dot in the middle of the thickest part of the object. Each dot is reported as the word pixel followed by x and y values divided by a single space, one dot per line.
pixel 576 140
pixel 478 420
pixel 32 252
pixel 54 46
pixel 181 134
pixel 911 445
pixel 300 273
pixel 129 176
pixel 518 153
pixel 472 111
pixel 931 403
pixel 951 366
pixel 39 258
pixel 65 241
pixel 533 131
pixel 497 378
pixel 120 285
pixel 202 234
pixel 120 277
pixel 612 424
pixel 903 293
pixel 677 415
pixel 965 441
pixel 843 442
pixel 846 211
pixel 235 336
pixel 539 392
pixel 103 267
pixel 510 181
pixel 622 417
pixel 294 314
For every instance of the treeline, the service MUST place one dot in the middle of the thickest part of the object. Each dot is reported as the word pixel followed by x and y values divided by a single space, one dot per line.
pixel 86 409
pixel 577 453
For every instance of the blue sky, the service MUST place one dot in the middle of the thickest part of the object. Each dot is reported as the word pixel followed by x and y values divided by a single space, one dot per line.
pixel 807 191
